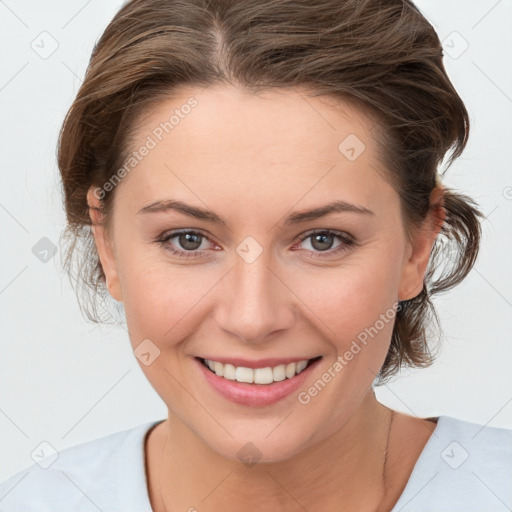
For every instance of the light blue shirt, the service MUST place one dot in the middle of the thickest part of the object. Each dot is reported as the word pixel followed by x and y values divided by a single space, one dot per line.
pixel 464 467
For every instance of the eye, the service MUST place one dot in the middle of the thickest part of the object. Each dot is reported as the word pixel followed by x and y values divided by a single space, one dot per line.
pixel 188 243
pixel 321 241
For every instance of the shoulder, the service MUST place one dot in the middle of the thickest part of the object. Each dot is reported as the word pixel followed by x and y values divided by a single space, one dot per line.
pixel 103 474
pixel 464 466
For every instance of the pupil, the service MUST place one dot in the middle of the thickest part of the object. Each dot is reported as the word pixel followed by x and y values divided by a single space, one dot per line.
pixel 321 237
pixel 190 238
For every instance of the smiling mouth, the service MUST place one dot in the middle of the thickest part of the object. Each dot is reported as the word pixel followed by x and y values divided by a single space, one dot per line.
pixel 267 375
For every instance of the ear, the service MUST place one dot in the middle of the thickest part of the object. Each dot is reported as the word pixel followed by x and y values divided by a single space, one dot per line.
pixel 104 245
pixel 415 265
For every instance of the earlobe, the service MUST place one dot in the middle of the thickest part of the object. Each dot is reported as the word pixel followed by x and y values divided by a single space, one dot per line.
pixel 416 262
pixel 104 245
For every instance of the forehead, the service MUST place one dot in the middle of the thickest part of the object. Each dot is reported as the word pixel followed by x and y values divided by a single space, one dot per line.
pixel 231 141
pixel 281 119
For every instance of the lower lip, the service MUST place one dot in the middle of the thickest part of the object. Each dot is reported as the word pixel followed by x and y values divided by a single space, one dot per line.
pixel 256 395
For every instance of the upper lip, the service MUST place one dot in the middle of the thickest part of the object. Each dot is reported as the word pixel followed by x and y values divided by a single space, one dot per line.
pixel 258 363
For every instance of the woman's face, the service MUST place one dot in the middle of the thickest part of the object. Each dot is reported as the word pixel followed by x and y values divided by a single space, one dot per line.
pixel 252 285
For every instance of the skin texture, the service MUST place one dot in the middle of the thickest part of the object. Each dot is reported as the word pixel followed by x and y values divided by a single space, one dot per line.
pixel 253 160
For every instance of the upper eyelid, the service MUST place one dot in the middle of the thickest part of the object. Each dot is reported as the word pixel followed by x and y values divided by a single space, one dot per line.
pixel 337 232
pixel 169 235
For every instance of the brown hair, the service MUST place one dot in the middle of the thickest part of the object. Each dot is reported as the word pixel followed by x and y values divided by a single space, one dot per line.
pixel 382 55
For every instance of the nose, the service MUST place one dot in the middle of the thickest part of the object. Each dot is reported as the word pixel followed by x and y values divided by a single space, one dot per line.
pixel 255 301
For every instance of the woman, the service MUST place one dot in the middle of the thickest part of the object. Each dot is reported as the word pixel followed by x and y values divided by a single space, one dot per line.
pixel 258 184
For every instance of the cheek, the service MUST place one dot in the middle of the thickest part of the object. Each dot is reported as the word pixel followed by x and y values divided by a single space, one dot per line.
pixel 355 294
pixel 159 298
pixel 354 306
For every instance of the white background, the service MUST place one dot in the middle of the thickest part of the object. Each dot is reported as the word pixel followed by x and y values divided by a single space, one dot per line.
pixel 67 381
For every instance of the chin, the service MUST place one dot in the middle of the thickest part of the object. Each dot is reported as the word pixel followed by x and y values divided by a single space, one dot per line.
pixel 256 445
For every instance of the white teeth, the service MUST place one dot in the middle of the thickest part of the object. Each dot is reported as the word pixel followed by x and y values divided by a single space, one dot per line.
pixel 278 373
pixel 244 374
pixel 265 375
pixel 290 370
pixel 229 372
pixel 301 365
pixel 218 368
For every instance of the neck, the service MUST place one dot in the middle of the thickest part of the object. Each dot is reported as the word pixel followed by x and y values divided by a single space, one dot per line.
pixel 345 468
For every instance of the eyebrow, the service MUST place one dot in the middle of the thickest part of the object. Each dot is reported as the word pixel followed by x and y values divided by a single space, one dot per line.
pixel 295 218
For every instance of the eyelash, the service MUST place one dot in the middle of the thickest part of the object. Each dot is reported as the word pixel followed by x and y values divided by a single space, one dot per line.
pixel 348 242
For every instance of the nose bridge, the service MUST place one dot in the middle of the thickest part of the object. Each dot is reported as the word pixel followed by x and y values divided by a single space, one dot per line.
pixel 254 302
